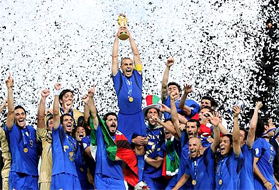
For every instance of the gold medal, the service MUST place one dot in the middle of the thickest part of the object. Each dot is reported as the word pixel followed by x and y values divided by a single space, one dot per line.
pixel 131 99
pixel 25 150
pixel 220 182
pixel 194 182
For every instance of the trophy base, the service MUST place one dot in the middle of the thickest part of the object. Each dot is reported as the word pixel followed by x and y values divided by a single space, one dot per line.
pixel 123 36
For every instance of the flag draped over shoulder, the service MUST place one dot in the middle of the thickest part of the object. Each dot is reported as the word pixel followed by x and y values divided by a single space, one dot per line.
pixel 120 148
pixel 171 160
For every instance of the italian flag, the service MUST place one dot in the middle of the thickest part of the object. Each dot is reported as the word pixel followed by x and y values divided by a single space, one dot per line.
pixel 120 148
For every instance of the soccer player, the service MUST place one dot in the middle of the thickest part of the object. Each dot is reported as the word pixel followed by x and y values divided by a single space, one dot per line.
pixel 200 164
pixel 264 154
pixel 66 101
pixel 23 146
pixel 108 173
pixel 64 148
pixel 44 133
pixel 246 141
pixel 191 107
pixel 128 87
pixel 230 158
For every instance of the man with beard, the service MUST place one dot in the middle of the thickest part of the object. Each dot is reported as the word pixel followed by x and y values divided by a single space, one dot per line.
pixel 128 87
pixel 152 173
pixel 199 166
pixel 23 146
pixel 264 154
pixel 108 173
pixel 230 158
pixel 64 148
pixel 190 106
pixel 246 141
pixel 44 134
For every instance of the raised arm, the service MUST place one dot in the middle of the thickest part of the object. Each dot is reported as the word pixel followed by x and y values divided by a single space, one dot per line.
pixel 236 141
pixel 115 66
pixel 92 107
pixel 215 121
pixel 11 109
pixel 41 109
pixel 186 109
pixel 136 56
pixel 164 90
pixel 174 115
pixel 56 116
pixel 253 125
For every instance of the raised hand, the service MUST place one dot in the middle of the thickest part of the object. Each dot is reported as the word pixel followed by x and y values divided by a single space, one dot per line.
pixel 259 105
pixel 91 91
pixel 188 89
pixel 170 62
pixel 45 93
pixel 164 108
pixel 236 111
pixel 9 81
pixel 57 86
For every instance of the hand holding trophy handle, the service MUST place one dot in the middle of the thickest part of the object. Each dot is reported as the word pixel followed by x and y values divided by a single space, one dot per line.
pixel 122 22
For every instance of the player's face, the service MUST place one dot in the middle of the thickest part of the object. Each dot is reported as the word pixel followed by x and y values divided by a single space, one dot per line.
pixel 80 133
pixel 111 122
pixel 20 117
pixel 205 102
pixel 191 129
pixel 68 124
pixel 174 89
pixel 242 137
pixel 203 115
pixel 127 67
pixel 194 147
pixel 225 145
pixel 50 124
pixel 67 100
pixel 270 133
pixel 167 133
pixel 152 112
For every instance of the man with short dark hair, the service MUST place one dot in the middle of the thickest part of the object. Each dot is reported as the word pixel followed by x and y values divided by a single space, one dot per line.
pixel 108 173
pixel 64 148
pixel 246 142
pixel 190 107
pixel 230 158
pixel 66 101
pixel 23 146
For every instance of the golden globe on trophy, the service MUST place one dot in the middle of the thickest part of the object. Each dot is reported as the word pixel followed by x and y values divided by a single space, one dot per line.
pixel 122 22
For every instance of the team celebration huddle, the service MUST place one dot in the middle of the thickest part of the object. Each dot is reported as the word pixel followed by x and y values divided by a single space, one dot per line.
pixel 173 142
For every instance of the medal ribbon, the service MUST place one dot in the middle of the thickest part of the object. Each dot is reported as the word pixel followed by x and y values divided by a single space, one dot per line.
pixel 129 87
pixel 219 173
pixel 25 137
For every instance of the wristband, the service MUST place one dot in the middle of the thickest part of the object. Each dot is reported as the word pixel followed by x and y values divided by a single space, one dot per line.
pixel 57 92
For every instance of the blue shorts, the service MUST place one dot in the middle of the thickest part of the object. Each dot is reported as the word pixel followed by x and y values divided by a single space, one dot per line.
pixel 22 181
pixel 65 181
pixel 103 182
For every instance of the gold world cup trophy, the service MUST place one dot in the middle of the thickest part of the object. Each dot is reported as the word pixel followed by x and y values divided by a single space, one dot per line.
pixel 122 22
